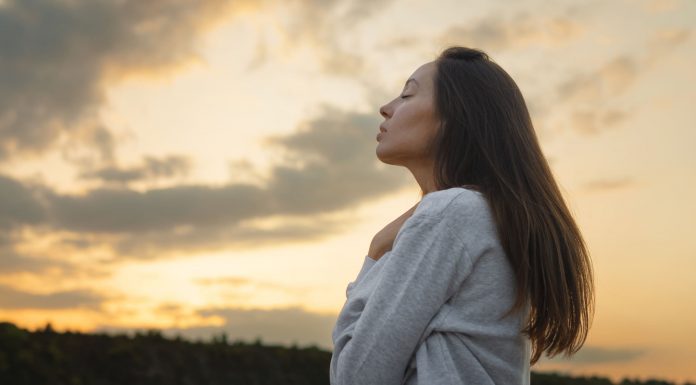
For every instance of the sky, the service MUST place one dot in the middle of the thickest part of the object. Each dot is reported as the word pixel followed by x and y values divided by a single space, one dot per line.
pixel 200 167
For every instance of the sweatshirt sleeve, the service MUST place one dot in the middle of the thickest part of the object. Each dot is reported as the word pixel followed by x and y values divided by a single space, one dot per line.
pixel 428 262
pixel 367 264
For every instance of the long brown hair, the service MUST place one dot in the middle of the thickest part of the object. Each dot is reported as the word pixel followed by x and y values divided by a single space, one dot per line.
pixel 487 142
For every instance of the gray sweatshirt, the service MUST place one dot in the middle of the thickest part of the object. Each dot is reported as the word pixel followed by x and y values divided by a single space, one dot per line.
pixel 429 311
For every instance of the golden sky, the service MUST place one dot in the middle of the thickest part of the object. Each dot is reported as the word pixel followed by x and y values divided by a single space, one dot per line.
pixel 207 166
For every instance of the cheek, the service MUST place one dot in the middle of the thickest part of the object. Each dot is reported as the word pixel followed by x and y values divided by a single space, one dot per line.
pixel 423 120
pixel 417 113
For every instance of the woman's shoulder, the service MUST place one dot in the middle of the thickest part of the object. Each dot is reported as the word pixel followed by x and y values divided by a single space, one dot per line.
pixel 461 211
pixel 450 200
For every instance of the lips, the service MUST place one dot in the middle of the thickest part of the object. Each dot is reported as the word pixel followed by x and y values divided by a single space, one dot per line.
pixel 382 130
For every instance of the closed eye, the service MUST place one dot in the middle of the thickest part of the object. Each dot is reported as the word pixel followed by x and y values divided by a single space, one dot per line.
pixel 405 96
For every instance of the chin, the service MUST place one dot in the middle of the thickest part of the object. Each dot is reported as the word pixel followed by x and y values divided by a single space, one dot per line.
pixel 385 158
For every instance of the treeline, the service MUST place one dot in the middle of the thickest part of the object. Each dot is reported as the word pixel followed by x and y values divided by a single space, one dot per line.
pixel 71 358
pixel 559 379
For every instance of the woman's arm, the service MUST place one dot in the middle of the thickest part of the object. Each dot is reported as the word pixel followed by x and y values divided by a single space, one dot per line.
pixel 366 266
pixel 427 264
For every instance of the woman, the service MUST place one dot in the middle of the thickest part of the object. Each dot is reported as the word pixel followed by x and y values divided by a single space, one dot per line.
pixel 489 270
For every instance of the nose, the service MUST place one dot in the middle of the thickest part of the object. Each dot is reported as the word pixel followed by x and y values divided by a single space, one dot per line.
pixel 383 111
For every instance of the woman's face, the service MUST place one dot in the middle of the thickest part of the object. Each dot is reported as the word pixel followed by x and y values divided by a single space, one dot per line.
pixel 410 121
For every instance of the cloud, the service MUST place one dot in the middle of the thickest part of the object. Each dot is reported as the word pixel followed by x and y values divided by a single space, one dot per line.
pixel 339 164
pixel 325 27
pixel 261 55
pixel 594 120
pixel 589 92
pixel 659 6
pixel 517 31
pixel 227 281
pixel 664 40
pixel 38 251
pixel 610 80
pixel 150 168
pixel 592 93
pixel 58 56
pixel 240 286
pixel 283 326
pixel 400 42
pixel 23 211
pixel 19 205
pixel 191 239
pixel 13 262
pixel 327 165
pixel 16 299
pixel 610 184
pixel 112 210
pixel 599 355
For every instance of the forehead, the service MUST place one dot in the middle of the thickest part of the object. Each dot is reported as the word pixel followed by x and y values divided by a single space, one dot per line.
pixel 423 75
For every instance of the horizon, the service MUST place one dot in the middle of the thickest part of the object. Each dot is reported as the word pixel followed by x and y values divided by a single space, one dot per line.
pixel 217 338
